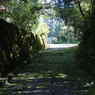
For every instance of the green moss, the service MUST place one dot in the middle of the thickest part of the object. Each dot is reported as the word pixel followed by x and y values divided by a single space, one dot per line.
pixel 16 45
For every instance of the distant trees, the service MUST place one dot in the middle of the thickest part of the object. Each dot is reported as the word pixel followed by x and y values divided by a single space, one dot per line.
pixel 42 28
pixel 63 30
pixel 76 13
pixel 82 19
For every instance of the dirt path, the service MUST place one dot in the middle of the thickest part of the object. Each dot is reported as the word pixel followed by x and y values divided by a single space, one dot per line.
pixel 43 86
pixel 49 73
pixel 60 46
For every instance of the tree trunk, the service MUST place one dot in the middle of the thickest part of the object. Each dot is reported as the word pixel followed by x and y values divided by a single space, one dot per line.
pixel 52 31
pixel 52 27
pixel 59 29
pixel 68 29
pixel 93 10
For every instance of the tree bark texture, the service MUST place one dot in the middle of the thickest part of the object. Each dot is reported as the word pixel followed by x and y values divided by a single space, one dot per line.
pixel 59 29
pixel 68 29
pixel 52 31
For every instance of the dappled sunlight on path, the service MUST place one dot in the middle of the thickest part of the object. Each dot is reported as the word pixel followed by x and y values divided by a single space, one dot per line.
pixel 42 86
pixel 50 72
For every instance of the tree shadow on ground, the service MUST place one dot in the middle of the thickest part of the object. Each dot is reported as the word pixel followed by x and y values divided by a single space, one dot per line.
pixel 52 72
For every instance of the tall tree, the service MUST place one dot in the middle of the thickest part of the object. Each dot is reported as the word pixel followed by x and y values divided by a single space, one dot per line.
pixel 52 27
pixel 68 29
pixel 59 29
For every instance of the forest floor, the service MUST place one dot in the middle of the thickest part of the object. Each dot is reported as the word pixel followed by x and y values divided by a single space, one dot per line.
pixel 51 72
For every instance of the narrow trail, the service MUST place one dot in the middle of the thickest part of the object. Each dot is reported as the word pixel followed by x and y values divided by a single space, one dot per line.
pixel 51 72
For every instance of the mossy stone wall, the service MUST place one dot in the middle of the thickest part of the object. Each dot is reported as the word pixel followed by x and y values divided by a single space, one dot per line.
pixel 16 45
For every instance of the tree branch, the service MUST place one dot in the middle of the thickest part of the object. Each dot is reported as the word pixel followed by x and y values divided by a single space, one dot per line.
pixel 81 9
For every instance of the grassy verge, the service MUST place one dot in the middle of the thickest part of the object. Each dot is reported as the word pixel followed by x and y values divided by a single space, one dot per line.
pixel 52 64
